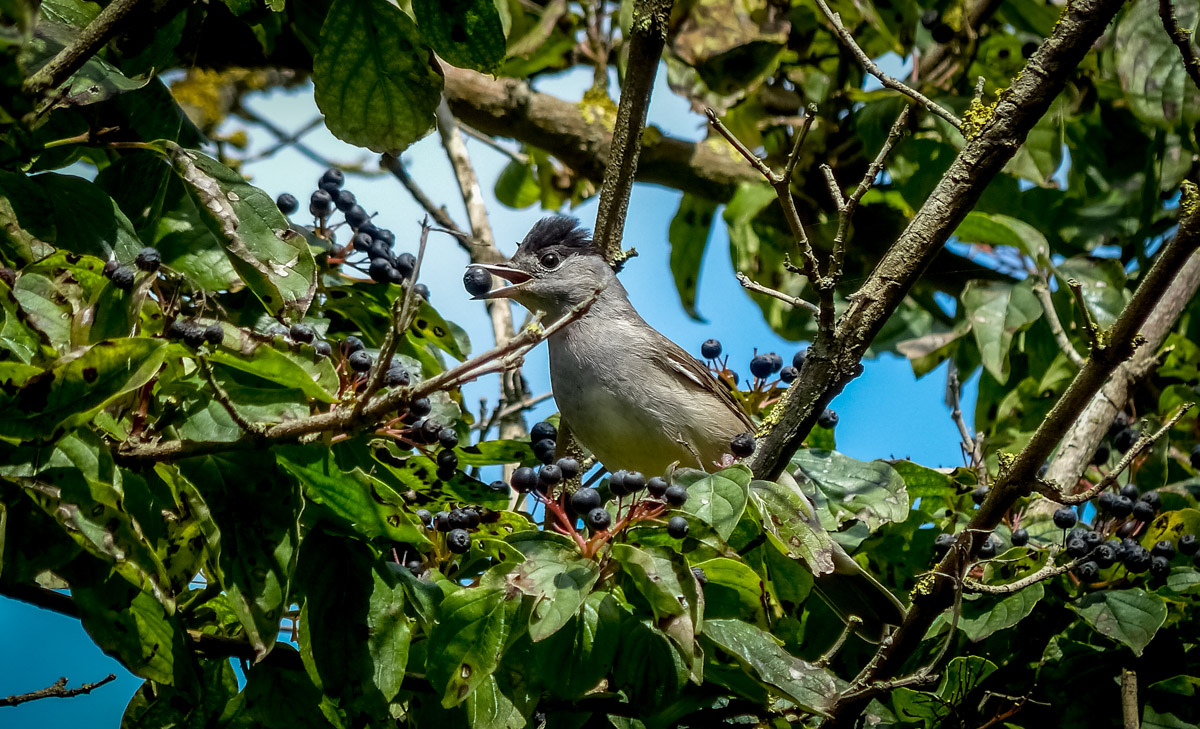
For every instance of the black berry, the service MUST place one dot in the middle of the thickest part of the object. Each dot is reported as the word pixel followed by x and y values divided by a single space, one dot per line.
pixel 788 374
pixel 176 330
pixel 599 519
pixel 302 333
pixel 352 344
pixel 380 270
pixel 1100 457
pixel 1125 439
pixel 1076 547
pixel 1122 506
pixel 123 277
pixel 425 517
pixel 676 495
pixel 1143 511
pixel 1188 544
pixel 1088 571
pixel 584 500
pixel 543 450
pixel 616 483
pixel 524 479
pixel 320 204
pixel 332 180
pixel 477 281
pixel 979 494
pixel 942 542
pixel 657 486
pixel 711 349
pixel 1065 517
pixel 569 467
pixel 550 474
pixel 1020 538
pixel 356 217
pixel 459 519
pixel 988 548
pixel 447 437
pixel 447 460
pixel 942 33
pixel 1130 491
pixel 193 335
pixel 396 376
pixel 287 203
pixel 798 359
pixel 344 200
pixel 214 334
pixel 1152 498
pixel 1137 559
pixel 359 361
pixel 1105 500
pixel 420 407
pixel 1105 555
pixel 761 366
pixel 421 290
pixel 458 541
pixel 541 431
pixel 498 486
pixel 441 521
pixel 406 263
pixel 322 348
pixel 634 482
pixel 828 419
pixel 1160 567
pixel 110 267
pixel 742 445
pixel 677 527
pixel 148 259
pixel 1163 548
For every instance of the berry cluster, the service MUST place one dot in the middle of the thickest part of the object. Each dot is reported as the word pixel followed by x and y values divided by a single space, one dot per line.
pixel 764 391
pixel 370 248
pixel 123 276
pixel 456 526
pixel 637 499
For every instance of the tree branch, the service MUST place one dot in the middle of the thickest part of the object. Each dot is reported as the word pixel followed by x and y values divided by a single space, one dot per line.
pixel 831 365
pixel 57 690
pixel 872 68
pixel 795 301
pixel 1047 571
pixel 509 108
pixel 89 41
pixel 1041 289
pixel 1130 716
pixel 1018 474
pixel 647 37
pixel 1181 39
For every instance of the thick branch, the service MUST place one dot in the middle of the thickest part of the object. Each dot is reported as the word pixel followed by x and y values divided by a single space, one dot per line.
pixel 1182 40
pixel 646 40
pixel 508 108
pixel 830 366
pixel 1130 716
pixel 1019 474
pixel 89 41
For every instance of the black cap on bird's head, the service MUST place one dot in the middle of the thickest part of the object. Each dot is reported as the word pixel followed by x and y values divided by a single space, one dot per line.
pixel 555 267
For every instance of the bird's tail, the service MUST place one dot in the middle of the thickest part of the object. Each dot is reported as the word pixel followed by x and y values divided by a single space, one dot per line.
pixel 851 590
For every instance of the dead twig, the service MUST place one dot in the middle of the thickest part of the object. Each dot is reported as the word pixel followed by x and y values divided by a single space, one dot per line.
pixel 56 690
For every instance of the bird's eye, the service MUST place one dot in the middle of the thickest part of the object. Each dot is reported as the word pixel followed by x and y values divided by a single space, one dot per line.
pixel 550 260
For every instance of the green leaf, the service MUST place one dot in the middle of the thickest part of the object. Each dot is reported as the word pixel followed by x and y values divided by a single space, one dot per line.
pixel 371 508
pixel 988 614
pixel 71 393
pixel 660 575
pixel 1103 286
pixel 516 185
pixel 96 80
pixel 1152 77
pixel 646 666
pixel 1152 719
pixel 273 260
pixel 133 627
pixel 419 474
pixel 472 632
pixel 574 660
pixel 813 689
pixel 732 590
pixel 186 243
pixel 16 336
pixel 258 557
pixel 846 488
pixel 157 705
pixel 792 523
pixel 362 659
pixel 1131 616
pixel 497 452
pixel 994 229
pixel 314 378
pixel 375 81
pixel 488 708
pixel 557 578
pixel 1171 525
pixel 429 326
pixel 718 499
pixel 688 234
pixel 997 312
pixel 467 33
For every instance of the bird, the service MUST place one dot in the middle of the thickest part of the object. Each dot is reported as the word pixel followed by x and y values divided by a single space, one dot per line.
pixel 636 399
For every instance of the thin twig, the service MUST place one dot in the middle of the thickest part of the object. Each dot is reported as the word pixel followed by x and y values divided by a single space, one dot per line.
pixel 1089 320
pixel 1047 571
pixel 1041 289
pixel 87 43
pixel 827 657
pixel 846 209
pixel 972 446
pixel 783 190
pixel 401 319
pixel 1182 40
pixel 1052 491
pixel 222 397
pixel 796 301
pixel 873 69
pixel 57 690
pixel 488 141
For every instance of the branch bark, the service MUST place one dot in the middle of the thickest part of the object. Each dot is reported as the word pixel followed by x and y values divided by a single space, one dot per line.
pixel 56 690
pixel 509 108
pixel 647 37
pixel 90 40
pixel 834 361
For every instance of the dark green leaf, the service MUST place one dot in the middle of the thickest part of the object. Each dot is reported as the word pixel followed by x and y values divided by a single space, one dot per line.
pixel 472 631
pixel 997 312
pixel 1131 616
pixel 575 659
pixel 987 614
pixel 813 689
pixel 1003 230
pixel 846 488
pixel 316 379
pixel 467 33
pixel 273 260
pixel 792 523
pixel 1148 65
pixel 516 186
pixel 155 706
pixel 374 79
pixel 688 234
pixel 557 578
pixel 718 499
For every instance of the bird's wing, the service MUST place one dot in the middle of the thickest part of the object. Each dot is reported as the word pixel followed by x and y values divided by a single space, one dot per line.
pixel 674 359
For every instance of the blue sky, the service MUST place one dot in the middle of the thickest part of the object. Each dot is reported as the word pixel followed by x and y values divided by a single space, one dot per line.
pixel 883 414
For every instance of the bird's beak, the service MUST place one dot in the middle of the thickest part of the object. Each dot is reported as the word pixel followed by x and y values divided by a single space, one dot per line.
pixel 514 276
